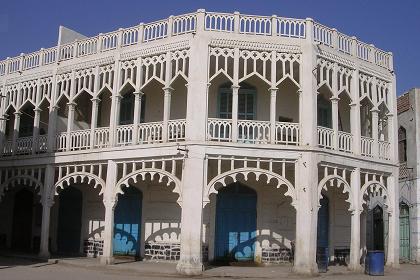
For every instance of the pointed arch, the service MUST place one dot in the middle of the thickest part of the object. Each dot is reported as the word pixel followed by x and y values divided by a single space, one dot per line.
pixel 233 174
pixel 78 177
pixel 331 179
pixel 26 180
pixel 142 173
pixel 375 188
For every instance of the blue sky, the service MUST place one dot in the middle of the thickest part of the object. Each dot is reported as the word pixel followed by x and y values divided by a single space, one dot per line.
pixel 28 25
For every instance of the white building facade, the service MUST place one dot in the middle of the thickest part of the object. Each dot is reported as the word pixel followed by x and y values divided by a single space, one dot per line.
pixel 201 137
pixel 408 123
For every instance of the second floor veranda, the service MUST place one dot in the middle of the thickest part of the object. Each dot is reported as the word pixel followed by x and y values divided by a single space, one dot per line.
pixel 252 112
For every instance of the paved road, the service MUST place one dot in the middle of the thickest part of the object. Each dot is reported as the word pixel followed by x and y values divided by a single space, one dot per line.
pixel 19 269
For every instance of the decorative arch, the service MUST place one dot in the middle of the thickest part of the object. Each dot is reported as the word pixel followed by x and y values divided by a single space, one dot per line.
pixel 376 188
pixel 26 180
pixel 78 177
pixel 340 182
pixel 124 181
pixel 233 174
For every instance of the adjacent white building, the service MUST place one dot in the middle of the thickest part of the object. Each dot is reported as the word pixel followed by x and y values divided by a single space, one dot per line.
pixel 408 125
pixel 200 137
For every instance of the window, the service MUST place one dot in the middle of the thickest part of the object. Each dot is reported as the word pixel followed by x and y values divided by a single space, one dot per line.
pixel 402 144
pixel 324 112
pixel 246 103
pixel 127 109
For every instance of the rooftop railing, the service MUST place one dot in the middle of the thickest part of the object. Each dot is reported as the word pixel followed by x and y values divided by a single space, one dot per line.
pixel 205 21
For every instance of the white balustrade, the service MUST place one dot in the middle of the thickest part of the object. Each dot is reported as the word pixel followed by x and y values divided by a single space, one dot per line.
pixel 155 30
pixel 363 51
pixel 80 140
pixel 87 46
pixel 31 60
pixel 323 34
pixel 184 24
pixel 219 130
pixel 255 25
pixel 130 36
pixel 382 58
pixel 176 130
pixel 124 134
pixel 287 133
pixel 61 141
pixel 42 142
pixel 345 43
pixel 345 141
pixel 219 22
pixel 14 65
pixel 49 56
pixel 108 41
pixel 290 27
pixel 384 150
pixel 325 137
pixel 101 139
pixel 24 145
pixel 149 133
pixel 7 147
pixel 66 52
pixel 250 131
pixel 366 146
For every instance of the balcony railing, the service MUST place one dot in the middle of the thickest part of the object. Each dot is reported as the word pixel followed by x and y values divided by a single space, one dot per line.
pixel 345 142
pixel 252 132
pixel 209 21
pixel 366 146
pixel 150 133
pixel 325 137
pixel 384 150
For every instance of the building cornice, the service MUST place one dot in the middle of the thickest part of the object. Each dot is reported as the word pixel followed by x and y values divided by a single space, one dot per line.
pixel 253 45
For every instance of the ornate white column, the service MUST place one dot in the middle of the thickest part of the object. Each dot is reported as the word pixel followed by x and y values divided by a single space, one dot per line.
pixel 3 120
pixel 190 262
pixel 47 201
pixel 110 201
pixel 35 134
pixel 334 113
pixel 355 222
pixel 306 215
pixel 52 123
pixel 393 253
pixel 16 126
pixel 94 120
pixel 235 95
pixel 355 126
pixel 137 114
pixel 70 124
pixel 273 103
pixel 167 91
pixel 115 106
pixel 375 132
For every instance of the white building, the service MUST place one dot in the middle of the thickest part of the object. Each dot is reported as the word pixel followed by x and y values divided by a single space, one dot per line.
pixel 408 141
pixel 210 136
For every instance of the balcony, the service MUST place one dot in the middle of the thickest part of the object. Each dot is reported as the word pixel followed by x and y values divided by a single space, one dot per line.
pixel 98 138
pixel 252 132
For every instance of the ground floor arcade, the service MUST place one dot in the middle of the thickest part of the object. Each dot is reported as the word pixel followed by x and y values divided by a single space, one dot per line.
pixel 193 209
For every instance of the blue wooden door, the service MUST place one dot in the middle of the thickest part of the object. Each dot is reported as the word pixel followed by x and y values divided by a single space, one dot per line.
pixel 323 223
pixel 236 223
pixel 69 221
pixel 127 221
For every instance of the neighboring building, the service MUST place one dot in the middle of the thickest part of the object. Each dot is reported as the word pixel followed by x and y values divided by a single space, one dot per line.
pixel 206 136
pixel 409 151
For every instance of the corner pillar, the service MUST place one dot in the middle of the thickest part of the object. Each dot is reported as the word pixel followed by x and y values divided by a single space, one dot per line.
pixel 355 223
pixel 47 201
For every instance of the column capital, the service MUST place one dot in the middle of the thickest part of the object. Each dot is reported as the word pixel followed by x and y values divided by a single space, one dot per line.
pixel 71 104
pixel 273 89
pixel 390 115
pixel 168 90
pixel 235 87
pixel 138 93
pixel 95 100
pixel 334 99
pixel 37 109
pixel 299 91
pixel 375 110
pixel 17 113
pixel 354 104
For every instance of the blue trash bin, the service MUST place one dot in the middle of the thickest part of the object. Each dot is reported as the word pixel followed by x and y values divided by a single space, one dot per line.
pixel 322 256
pixel 374 263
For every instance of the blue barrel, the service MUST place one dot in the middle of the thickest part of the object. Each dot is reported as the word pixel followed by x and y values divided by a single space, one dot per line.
pixel 322 256
pixel 374 263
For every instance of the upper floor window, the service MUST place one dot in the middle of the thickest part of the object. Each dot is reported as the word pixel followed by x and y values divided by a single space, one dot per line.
pixel 127 109
pixel 246 102
pixel 402 144
pixel 324 112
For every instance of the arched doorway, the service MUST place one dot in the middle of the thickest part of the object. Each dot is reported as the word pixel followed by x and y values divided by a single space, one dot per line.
pixel 323 223
pixel 22 220
pixel 404 232
pixel 127 223
pixel 236 223
pixel 69 221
